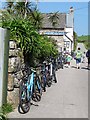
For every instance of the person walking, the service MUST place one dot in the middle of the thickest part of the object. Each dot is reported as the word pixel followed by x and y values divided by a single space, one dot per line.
pixel 78 56
pixel 68 60
pixel 88 57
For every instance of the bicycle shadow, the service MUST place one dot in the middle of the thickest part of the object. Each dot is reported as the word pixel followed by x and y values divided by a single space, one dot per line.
pixel 85 68
pixel 73 67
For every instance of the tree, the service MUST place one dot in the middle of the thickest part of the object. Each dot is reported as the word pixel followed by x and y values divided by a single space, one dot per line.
pixel 75 35
pixel 24 30
pixel 37 19
pixel 75 40
pixel 54 18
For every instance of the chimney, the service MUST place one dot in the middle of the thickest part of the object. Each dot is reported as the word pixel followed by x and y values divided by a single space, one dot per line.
pixel 71 9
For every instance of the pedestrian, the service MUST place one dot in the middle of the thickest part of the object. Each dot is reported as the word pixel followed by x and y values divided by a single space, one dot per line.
pixel 78 56
pixel 88 57
pixel 68 60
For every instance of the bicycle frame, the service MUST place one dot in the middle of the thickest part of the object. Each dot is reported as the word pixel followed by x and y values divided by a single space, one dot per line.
pixel 51 69
pixel 30 85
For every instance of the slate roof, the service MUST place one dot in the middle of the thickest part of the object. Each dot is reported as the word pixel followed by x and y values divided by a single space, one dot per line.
pixel 61 21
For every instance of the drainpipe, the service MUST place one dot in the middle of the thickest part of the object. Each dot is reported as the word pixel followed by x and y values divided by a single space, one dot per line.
pixel 72 12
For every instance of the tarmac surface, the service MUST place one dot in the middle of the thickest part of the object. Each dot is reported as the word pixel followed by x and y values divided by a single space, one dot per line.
pixel 68 98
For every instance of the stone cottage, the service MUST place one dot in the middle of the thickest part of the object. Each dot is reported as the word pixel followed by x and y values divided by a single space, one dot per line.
pixel 61 31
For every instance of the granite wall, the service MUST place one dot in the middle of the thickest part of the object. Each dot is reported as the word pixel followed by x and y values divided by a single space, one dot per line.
pixel 16 62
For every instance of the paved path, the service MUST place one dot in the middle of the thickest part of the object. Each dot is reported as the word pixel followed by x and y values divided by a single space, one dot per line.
pixel 81 45
pixel 66 99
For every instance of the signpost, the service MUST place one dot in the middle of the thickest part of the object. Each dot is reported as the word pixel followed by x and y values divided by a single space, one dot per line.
pixel 4 53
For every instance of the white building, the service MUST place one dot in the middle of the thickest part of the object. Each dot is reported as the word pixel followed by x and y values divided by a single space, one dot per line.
pixel 69 29
pixel 63 30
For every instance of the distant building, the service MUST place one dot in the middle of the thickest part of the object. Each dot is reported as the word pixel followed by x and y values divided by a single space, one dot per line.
pixel 61 31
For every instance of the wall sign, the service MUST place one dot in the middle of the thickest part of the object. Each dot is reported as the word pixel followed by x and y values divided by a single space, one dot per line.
pixel 55 33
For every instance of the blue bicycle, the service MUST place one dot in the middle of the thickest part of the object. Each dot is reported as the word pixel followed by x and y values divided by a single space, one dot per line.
pixel 30 89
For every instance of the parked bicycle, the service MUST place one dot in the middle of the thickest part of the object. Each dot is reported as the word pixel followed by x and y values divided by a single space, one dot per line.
pixel 60 61
pixel 43 76
pixel 30 89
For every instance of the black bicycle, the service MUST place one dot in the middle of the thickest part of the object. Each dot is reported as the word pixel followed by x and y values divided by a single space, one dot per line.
pixel 30 89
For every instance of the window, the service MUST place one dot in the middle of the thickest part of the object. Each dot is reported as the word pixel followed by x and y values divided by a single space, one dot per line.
pixel 66 44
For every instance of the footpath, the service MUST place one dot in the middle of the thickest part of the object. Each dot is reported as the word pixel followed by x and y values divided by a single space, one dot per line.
pixel 68 98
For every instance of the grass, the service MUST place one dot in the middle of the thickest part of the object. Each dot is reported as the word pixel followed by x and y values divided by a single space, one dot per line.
pixel 4 110
pixel 83 38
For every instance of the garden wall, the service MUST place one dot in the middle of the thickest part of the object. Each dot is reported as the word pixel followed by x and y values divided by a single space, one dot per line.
pixel 15 63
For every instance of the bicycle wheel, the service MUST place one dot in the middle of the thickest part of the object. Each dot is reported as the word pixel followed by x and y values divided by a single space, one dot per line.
pixel 24 103
pixel 38 96
pixel 54 77
pixel 38 85
pixel 43 83
pixel 49 80
pixel 37 92
pixel 49 83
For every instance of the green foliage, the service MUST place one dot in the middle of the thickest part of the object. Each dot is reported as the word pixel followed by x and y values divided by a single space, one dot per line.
pixel 2 116
pixel 24 30
pixel 6 108
pixel 54 18
pixel 75 35
pixel 48 48
pixel 87 44
pixel 75 40
pixel 85 40
pixel 75 45
pixel 37 19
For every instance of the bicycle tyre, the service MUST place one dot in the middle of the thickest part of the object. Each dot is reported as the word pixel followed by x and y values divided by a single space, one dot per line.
pixel 37 90
pixel 38 84
pixel 54 76
pixel 23 101
pixel 43 84
pixel 49 81
pixel 38 96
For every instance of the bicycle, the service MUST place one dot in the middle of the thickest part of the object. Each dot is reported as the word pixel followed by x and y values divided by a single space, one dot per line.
pixel 48 75
pixel 30 89
pixel 53 70
pixel 46 79
pixel 43 78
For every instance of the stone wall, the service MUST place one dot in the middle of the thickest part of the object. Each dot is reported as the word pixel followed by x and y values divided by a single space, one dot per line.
pixel 16 62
